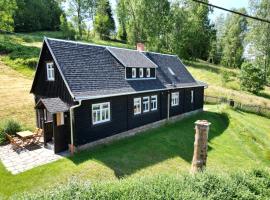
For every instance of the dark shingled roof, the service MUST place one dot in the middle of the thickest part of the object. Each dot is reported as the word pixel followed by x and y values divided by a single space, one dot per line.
pixel 131 58
pixel 54 105
pixel 92 71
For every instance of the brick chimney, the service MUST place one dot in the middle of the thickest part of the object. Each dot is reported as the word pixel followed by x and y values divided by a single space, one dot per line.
pixel 140 46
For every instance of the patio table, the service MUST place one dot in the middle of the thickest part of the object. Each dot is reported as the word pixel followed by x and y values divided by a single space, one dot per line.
pixel 25 134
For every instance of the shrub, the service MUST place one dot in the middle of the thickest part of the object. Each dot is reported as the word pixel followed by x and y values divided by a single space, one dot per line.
pixel 225 77
pixel 254 184
pixel 252 78
pixel 11 127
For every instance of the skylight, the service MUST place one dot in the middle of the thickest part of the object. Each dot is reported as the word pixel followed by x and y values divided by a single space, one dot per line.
pixel 171 71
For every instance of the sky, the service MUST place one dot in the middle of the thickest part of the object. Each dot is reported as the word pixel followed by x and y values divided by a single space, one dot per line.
pixel 226 4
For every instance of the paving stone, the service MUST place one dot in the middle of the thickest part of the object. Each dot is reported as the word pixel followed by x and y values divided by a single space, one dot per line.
pixel 20 161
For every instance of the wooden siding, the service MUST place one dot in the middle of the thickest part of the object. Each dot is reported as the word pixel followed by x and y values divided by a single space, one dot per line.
pixel 123 118
pixel 44 88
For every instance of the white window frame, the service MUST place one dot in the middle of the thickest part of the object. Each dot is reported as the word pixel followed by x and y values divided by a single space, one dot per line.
pixel 137 102
pixel 154 102
pixel 174 99
pixel 133 72
pixel 146 104
pixel 148 72
pixel 50 71
pixel 99 112
pixel 192 96
pixel 141 72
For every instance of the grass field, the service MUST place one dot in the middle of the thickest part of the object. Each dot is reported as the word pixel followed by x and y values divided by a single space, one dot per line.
pixel 237 141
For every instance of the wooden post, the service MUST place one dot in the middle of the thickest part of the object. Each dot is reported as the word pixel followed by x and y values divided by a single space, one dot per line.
pixel 200 146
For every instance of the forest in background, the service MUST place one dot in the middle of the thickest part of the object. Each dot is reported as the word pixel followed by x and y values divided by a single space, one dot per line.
pixel 179 27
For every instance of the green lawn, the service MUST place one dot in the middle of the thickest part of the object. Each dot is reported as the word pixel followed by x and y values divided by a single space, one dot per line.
pixel 237 141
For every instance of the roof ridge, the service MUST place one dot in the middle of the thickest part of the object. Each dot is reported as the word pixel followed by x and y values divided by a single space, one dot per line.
pixel 106 46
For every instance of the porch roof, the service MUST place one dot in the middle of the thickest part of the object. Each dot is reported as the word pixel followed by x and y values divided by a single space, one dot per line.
pixel 53 105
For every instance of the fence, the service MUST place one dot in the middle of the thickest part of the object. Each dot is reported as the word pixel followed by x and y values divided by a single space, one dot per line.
pixel 257 109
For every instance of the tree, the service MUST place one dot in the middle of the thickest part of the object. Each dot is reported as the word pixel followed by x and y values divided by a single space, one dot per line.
pixel 78 11
pixel 7 9
pixel 37 15
pixel 67 28
pixel 259 34
pixel 252 78
pixel 103 22
pixel 122 19
pixel 232 42
pixel 215 53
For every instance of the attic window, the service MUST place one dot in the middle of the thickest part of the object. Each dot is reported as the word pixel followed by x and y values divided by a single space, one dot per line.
pixel 148 72
pixel 50 71
pixel 141 72
pixel 171 71
pixel 133 72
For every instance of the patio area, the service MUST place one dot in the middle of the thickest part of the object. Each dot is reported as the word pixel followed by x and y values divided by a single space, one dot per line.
pixel 17 161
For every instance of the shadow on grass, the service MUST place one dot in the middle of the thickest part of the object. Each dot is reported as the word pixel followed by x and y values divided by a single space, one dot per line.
pixel 171 140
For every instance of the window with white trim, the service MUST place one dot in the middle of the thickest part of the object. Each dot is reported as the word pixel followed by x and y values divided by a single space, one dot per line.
pixel 137 106
pixel 175 99
pixel 133 72
pixel 101 113
pixel 191 96
pixel 50 71
pixel 148 74
pixel 146 104
pixel 154 102
pixel 141 72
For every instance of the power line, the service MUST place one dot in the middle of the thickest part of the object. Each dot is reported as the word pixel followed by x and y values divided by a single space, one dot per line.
pixel 232 11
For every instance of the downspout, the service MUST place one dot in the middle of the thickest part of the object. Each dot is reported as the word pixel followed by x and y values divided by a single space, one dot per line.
pixel 71 113
pixel 168 106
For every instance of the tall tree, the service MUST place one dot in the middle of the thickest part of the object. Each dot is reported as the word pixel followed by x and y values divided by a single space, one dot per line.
pixel 122 14
pixel 103 22
pixel 78 11
pixel 232 42
pixel 7 9
pixel 202 30
pixel 259 34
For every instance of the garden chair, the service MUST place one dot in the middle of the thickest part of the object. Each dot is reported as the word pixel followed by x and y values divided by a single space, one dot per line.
pixel 37 136
pixel 15 142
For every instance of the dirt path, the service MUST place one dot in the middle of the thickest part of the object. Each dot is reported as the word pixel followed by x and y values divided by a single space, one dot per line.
pixel 15 100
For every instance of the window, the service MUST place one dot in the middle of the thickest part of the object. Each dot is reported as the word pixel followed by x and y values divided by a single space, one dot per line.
pixel 148 74
pixel 60 119
pixel 175 99
pixel 137 106
pixel 101 113
pixel 171 71
pixel 191 96
pixel 50 72
pixel 133 72
pixel 154 102
pixel 141 72
pixel 146 104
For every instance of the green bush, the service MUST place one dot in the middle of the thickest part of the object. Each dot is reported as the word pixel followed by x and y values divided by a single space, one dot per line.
pixel 254 184
pixel 12 126
pixel 252 78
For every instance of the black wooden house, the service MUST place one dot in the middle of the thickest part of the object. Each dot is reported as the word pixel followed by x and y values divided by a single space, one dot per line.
pixel 85 92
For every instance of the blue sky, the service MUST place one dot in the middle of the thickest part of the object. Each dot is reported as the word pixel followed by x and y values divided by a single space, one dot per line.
pixel 227 4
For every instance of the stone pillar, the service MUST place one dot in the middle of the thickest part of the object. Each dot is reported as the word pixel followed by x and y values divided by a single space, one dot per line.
pixel 200 146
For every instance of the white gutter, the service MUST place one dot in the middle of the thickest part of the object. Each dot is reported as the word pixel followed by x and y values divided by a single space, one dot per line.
pixel 71 112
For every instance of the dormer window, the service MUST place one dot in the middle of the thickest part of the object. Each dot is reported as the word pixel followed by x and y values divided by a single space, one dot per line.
pixel 50 71
pixel 148 74
pixel 133 72
pixel 141 72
